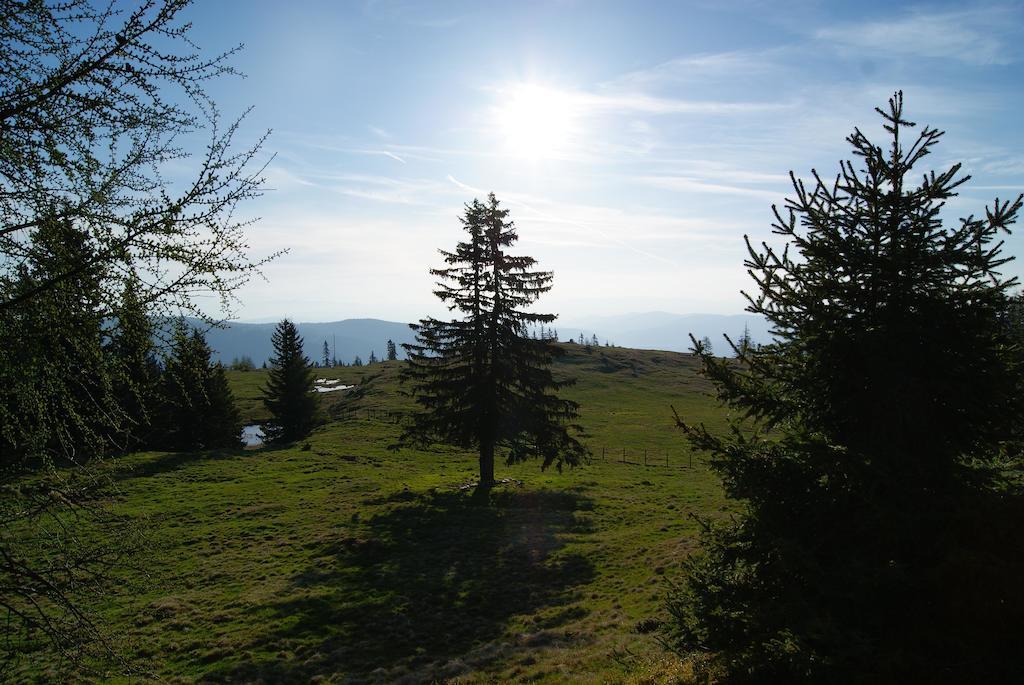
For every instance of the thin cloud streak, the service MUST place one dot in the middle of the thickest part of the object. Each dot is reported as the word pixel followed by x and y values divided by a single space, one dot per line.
pixel 513 199
pixel 693 185
pixel 971 36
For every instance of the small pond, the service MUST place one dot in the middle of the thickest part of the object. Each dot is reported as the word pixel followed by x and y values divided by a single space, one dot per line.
pixel 252 435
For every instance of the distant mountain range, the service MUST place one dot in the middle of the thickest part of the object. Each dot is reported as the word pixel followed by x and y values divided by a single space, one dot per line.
pixel 352 337
pixel 347 339
pixel 667 331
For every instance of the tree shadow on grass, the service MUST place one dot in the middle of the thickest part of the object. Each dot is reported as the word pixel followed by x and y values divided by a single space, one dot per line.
pixel 173 461
pixel 425 590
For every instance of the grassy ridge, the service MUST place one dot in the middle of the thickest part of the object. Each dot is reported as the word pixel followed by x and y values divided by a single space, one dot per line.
pixel 340 559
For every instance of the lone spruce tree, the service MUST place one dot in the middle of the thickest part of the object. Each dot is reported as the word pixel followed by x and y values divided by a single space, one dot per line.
pixel 289 394
pixel 879 537
pixel 483 383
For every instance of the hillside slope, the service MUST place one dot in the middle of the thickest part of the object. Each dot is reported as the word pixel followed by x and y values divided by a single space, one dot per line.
pixel 339 560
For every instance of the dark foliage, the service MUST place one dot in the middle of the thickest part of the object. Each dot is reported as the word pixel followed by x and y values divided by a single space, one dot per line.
pixel 198 410
pixel 289 394
pixel 56 399
pixel 137 379
pixel 880 538
pixel 95 103
pixel 482 381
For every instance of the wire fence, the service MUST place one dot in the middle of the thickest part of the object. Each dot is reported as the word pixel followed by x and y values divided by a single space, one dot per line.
pixel 644 457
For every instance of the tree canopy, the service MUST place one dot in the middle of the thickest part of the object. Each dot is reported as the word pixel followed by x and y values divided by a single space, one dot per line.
pixel 99 194
pixel 482 382
pixel 289 394
pixel 877 421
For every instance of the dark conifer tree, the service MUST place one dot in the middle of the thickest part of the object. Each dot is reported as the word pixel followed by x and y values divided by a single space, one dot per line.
pixel 289 394
pixel 222 424
pixel 879 539
pixel 137 377
pixel 197 409
pixel 358 361
pixel 482 381
pixel 56 390
pixel 373 357
pixel 326 355
pixel 744 344
pixel 392 351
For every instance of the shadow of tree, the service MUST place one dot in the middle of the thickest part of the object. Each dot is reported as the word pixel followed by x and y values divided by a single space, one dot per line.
pixel 173 461
pixel 428 581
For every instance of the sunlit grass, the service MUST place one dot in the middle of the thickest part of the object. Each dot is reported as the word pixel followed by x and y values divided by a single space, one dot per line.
pixel 339 558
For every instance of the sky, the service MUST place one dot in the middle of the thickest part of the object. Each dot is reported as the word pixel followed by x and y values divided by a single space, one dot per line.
pixel 635 144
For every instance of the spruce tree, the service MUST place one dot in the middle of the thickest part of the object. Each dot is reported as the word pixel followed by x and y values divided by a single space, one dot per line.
pixel 326 355
pixel 289 394
pixel 137 379
pixel 878 536
pixel 745 342
pixel 482 382
pixel 198 409
pixel 56 375
pixel 392 351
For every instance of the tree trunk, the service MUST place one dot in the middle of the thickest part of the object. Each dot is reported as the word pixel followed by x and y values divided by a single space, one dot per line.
pixel 486 464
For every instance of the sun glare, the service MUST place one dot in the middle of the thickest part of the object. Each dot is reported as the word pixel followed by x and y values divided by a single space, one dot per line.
pixel 535 121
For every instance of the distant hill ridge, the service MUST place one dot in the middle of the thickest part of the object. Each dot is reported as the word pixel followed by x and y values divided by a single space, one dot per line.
pixel 351 337
pixel 347 339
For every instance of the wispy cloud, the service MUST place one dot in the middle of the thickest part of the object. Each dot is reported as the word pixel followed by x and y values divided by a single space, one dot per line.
pixel 642 102
pixel 1007 166
pixel 565 224
pixel 390 190
pixel 386 153
pixel 607 101
pixel 975 36
pixel 689 68
pixel 698 186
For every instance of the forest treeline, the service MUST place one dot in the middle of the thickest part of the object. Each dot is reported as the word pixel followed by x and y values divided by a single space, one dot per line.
pixel 876 459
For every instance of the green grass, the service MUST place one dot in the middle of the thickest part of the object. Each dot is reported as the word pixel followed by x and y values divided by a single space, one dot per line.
pixel 339 559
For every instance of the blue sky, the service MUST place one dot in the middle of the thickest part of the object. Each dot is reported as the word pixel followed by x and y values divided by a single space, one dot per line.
pixel 634 143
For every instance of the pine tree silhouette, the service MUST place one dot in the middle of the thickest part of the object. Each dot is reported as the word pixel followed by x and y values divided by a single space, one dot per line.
pixel 289 394
pixel 482 381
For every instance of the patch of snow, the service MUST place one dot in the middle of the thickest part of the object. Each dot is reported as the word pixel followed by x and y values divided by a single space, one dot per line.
pixel 340 387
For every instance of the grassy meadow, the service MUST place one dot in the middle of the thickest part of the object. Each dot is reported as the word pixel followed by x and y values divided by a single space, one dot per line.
pixel 337 560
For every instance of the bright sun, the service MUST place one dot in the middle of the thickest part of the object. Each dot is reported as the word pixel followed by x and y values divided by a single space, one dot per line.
pixel 535 121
